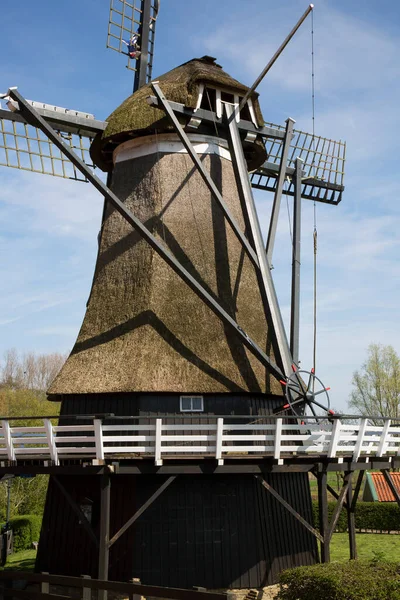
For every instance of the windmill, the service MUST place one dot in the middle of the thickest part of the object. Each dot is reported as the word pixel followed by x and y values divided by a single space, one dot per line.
pixel 182 319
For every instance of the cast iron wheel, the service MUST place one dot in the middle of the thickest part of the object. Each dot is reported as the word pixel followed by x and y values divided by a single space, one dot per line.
pixel 306 395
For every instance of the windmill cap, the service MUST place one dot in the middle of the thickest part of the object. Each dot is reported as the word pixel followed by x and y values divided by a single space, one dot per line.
pixel 136 118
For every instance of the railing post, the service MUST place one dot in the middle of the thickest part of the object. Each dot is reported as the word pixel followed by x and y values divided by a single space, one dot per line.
pixel 135 596
pixel 383 441
pixel 157 443
pixel 360 439
pixel 334 438
pixel 218 443
pixel 51 440
pixel 44 585
pixel 98 437
pixel 86 592
pixel 8 440
pixel 278 436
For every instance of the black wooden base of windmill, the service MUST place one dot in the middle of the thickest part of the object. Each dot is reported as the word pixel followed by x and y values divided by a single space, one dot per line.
pixel 209 530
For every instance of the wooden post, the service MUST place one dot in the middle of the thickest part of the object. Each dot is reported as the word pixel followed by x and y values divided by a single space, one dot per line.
pixel 86 592
pixel 323 515
pixel 351 522
pixel 135 596
pixel 44 585
pixel 104 551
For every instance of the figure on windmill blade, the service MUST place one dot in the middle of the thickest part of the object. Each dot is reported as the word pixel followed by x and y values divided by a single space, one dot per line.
pixel 133 48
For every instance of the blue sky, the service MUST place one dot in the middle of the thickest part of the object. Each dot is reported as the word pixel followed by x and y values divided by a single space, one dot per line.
pixel 55 52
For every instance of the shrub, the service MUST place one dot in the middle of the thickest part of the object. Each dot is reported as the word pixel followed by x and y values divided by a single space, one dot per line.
pixel 381 516
pixel 342 521
pixel 354 580
pixel 26 529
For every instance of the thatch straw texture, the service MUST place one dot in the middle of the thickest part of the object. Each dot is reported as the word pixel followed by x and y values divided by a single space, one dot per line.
pixel 144 329
pixel 135 117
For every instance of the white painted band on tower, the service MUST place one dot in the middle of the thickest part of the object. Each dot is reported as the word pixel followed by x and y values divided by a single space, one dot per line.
pixel 169 143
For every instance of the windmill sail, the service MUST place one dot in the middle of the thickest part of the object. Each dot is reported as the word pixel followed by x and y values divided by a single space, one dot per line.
pixel 130 17
pixel 323 167
pixel 25 147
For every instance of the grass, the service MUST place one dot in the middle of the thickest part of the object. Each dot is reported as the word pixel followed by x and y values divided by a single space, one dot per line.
pixel 20 561
pixel 369 545
pixel 335 481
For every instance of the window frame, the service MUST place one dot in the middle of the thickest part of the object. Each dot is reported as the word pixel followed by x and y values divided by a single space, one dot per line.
pixel 219 102
pixel 191 397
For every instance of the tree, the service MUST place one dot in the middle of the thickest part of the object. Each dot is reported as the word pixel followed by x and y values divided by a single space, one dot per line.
pixel 31 371
pixel 23 383
pixel 376 386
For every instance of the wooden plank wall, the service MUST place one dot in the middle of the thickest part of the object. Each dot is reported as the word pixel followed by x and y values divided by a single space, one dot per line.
pixel 218 531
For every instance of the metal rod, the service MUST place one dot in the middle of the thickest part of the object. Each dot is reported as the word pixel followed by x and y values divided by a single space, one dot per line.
pixel 35 119
pixel 273 224
pixel 104 550
pixel 205 176
pixel 274 58
pixel 245 192
pixel 295 303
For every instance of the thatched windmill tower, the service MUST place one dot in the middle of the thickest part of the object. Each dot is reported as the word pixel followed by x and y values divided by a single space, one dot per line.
pixel 149 346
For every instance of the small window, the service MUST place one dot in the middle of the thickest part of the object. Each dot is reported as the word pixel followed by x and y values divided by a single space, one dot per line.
pixel 209 99
pixel 192 404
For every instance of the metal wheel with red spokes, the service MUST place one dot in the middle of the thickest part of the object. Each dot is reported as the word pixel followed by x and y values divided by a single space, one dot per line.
pixel 306 395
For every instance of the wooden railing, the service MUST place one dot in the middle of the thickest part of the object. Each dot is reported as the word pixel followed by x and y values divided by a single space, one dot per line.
pixel 219 437
pixel 60 585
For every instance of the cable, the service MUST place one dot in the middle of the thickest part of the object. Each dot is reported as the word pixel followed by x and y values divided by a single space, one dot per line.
pixel 315 234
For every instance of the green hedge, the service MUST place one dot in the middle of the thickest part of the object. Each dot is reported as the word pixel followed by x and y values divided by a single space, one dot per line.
pixel 26 529
pixel 381 516
pixel 353 580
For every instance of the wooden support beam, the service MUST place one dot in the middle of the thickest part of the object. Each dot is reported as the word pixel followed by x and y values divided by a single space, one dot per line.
pixel 289 508
pixel 329 488
pixel 82 518
pixel 104 550
pixel 339 506
pixel 141 510
pixel 351 523
pixel 389 481
pixel 357 490
pixel 323 515
pixel 30 595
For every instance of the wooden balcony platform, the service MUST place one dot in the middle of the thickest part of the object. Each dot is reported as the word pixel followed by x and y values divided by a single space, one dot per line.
pixel 212 445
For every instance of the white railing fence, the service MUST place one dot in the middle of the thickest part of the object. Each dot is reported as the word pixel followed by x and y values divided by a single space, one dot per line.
pixel 218 437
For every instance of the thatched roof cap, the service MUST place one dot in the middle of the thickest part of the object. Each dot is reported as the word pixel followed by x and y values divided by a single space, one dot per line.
pixel 135 117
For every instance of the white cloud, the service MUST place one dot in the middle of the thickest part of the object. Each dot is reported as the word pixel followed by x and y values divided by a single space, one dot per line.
pixel 55 206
